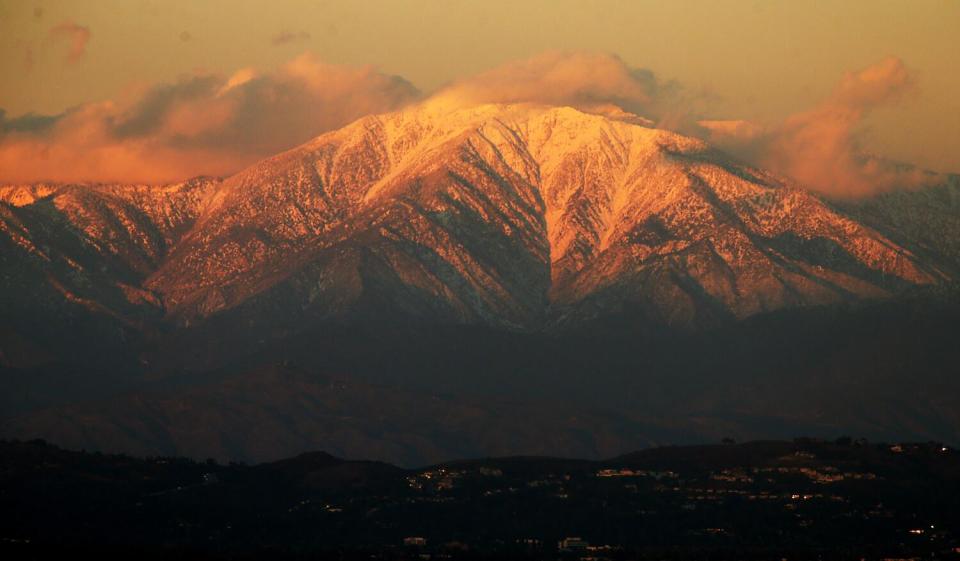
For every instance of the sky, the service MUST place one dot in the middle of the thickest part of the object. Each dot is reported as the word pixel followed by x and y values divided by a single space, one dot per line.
pixel 778 68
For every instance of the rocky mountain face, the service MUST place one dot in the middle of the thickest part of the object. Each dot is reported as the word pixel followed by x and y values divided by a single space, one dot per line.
pixel 925 220
pixel 519 216
pixel 447 281
pixel 95 245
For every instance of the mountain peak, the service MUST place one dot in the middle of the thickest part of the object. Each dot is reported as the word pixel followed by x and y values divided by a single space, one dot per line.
pixel 521 215
pixel 515 213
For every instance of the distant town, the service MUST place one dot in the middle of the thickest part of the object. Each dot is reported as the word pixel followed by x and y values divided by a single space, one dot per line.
pixel 797 499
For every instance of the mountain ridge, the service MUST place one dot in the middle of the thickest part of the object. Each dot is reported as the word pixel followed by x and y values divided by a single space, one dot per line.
pixel 518 215
pixel 583 284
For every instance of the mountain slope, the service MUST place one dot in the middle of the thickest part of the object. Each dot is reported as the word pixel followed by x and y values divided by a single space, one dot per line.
pixel 447 281
pixel 73 259
pixel 925 220
pixel 521 216
pixel 883 370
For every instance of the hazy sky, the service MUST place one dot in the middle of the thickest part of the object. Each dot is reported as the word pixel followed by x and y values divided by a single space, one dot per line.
pixel 745 59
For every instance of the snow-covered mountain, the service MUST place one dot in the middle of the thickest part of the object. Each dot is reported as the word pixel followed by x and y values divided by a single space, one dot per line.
pixel 444 255
pixel 516 215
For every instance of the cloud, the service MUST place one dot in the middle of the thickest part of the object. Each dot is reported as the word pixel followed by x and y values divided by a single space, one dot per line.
pixel 579 79
pixel 211 124
pixel 287 37
pixel 31 122
pixel 558 78
pixel 821 148
pixel 204 124
pixel 77 35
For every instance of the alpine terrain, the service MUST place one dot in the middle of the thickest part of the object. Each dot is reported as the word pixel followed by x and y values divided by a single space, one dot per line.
pixel 375 291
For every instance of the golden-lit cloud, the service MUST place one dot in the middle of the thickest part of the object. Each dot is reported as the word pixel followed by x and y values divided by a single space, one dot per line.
pixel 204 124
pixel 76 36
pixel 211 124
pixel 820 147
pixel 593 82
pixel 559 78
